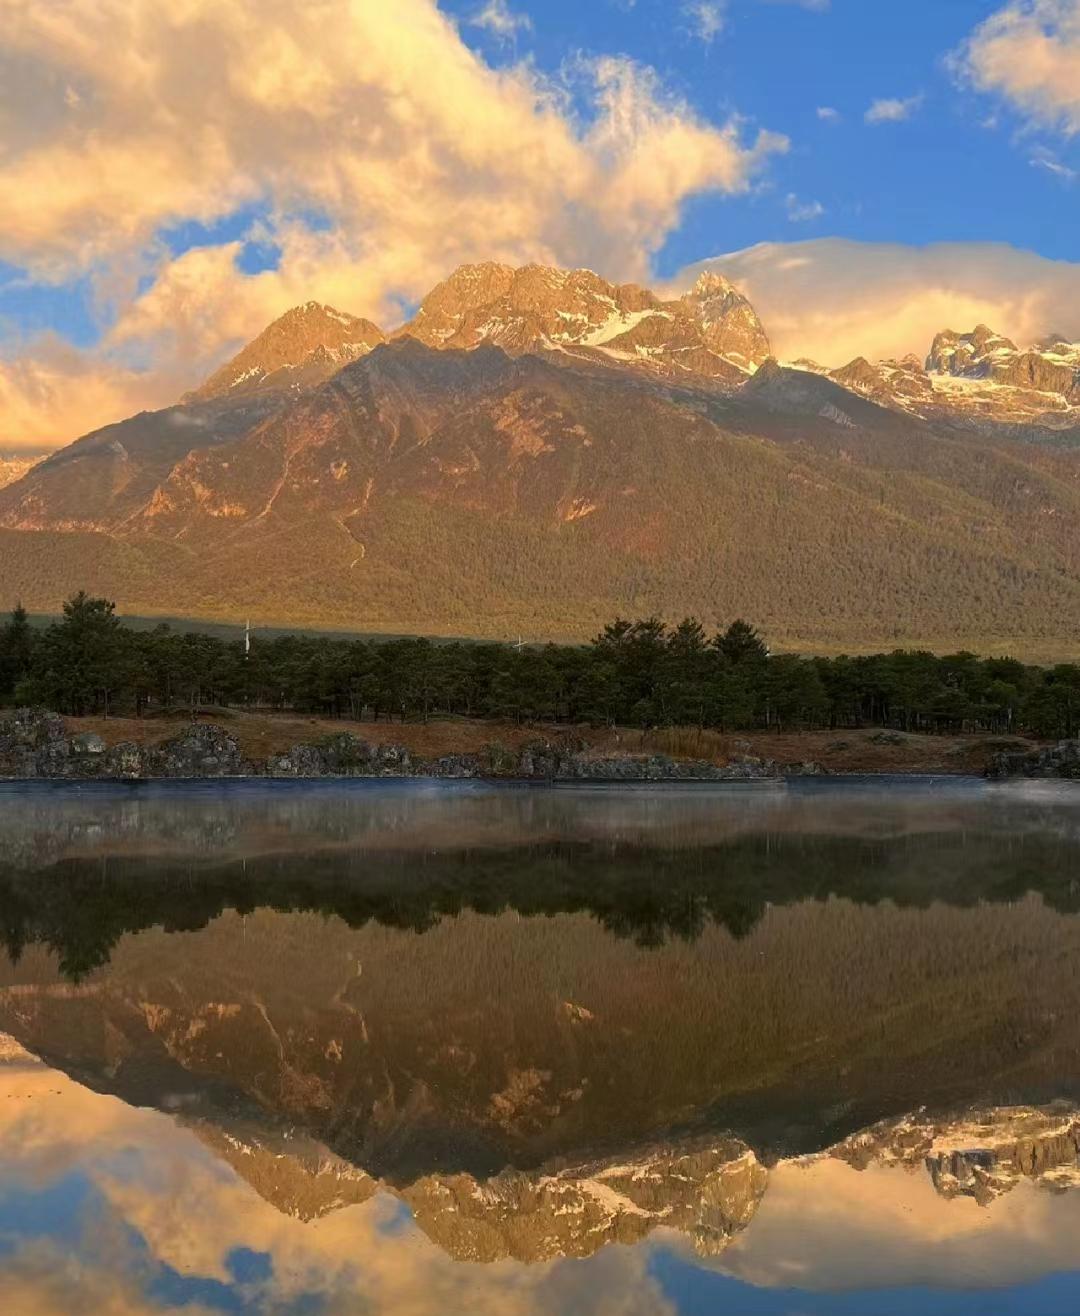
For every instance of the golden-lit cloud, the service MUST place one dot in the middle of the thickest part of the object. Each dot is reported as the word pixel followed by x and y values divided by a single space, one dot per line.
pixel 375 148
pixel 823 1225
pixel 1029 52
pixel 832 299
pixel 157 1183
pixel 56 392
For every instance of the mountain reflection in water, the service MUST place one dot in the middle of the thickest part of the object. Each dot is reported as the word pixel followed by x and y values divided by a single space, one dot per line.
pixel 318 1048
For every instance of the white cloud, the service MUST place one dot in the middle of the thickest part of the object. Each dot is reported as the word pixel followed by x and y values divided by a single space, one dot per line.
pixel 1043 159
pixel 497 17
pixel 415 153
pixel 828 115
pixel 706 17
pixel 1029 53
pixel 893 109
pixel 832 299
pixel 799 212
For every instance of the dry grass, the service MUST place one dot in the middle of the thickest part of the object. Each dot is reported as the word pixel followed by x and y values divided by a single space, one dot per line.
pixel 262 734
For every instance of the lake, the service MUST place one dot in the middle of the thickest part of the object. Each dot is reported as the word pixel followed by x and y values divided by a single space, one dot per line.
pixel 300 1048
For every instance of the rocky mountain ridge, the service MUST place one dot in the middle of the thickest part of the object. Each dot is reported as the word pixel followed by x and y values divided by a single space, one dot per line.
pixel 979 380
pixel 983 1155
pixel 712 331
pixel 708 1189
pixel 536 425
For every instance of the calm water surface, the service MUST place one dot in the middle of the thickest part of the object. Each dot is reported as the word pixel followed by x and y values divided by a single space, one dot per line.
pixel 405 1048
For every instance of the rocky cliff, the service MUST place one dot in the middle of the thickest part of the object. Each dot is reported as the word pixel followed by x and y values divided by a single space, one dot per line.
pixel 712 331
pixel 982 1155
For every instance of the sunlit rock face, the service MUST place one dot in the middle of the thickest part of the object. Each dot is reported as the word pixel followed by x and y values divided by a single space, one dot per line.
pixel 979 380
pixel 981 1155
pixel 707 1192
pixel 300 349
pixel 712 331
pixel 14 468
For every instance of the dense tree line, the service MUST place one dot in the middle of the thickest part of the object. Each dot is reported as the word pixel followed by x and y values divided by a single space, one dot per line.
pixel 85 905
pixel 635 673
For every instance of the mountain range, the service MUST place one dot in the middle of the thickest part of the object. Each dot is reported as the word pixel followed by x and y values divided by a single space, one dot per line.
pixel 538 450
pixel 609 1091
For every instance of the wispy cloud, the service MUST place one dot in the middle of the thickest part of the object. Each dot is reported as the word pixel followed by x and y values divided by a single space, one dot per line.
pixel 706 18
pixel 894 109
pixel 499 19
pixel 801 212
pixel 1029 53
pixel 827 114
pixel 1043 159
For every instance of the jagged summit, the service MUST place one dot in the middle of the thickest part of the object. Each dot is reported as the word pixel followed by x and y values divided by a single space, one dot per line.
pixel 976 379
pixel 302 347
pixel 958 354
pixel 731 325
pixel 711 331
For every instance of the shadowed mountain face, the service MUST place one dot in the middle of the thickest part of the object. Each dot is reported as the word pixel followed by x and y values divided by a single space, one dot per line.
pixel 539 450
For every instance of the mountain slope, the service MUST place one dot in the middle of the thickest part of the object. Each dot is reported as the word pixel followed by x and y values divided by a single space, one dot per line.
pixel 302 347
pixel 540 487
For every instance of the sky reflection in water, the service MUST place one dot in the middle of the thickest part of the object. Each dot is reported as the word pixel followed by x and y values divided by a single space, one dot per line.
pixel 110 1206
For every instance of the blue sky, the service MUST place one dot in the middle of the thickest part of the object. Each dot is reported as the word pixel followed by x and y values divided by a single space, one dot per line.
pixel 958 169
pixel 172 179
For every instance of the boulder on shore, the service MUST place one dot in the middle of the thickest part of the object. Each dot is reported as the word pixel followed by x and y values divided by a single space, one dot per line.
pixel 34 743
pixel 1061 761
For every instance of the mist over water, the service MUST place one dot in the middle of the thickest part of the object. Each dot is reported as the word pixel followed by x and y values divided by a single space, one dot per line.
pixel 321 1047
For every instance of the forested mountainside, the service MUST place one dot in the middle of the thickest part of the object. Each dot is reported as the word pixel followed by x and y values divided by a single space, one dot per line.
pixel 538 451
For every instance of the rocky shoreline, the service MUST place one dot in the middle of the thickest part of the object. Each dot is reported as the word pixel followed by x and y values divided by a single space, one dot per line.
pixel 34 743
pixel 1060 761
pixel 37 743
